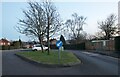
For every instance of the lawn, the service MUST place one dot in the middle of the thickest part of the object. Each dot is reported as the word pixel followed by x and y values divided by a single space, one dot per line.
pixel 65 57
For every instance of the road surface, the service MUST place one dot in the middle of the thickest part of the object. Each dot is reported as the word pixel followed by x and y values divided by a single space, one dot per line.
pixel 92 64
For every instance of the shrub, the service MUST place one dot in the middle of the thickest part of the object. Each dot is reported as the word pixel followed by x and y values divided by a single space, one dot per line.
pixel 5 47
pixel 0 47
pixel 12 47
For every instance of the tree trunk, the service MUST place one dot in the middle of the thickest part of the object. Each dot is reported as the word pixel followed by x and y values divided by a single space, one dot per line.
pixel 40 39
pixel 107 37
pixel 48 41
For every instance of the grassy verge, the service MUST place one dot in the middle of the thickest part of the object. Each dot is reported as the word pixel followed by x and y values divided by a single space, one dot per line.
pixel 65 57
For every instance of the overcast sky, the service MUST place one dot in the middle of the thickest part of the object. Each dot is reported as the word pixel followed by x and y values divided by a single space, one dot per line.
pixel 11 11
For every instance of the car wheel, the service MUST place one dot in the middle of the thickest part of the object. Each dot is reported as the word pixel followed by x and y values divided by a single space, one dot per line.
pixel 35 49
pixel 46 49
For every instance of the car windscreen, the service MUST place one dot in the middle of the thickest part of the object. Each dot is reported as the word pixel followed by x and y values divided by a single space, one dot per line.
pixel 38 46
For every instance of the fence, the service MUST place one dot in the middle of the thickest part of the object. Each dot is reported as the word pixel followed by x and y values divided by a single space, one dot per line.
pixel 108 45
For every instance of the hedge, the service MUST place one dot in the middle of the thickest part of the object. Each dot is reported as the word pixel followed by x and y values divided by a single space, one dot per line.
pixel 80 46
pixel 7 47
pixel 117 43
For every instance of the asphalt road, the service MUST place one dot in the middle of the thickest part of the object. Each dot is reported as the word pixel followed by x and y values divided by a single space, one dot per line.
pixel 92 64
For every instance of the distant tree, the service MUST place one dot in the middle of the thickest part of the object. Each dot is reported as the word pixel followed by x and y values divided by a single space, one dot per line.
pixel 99 35
pixel 82 37
pixel 20 43
pixel 75 26
pixel 118 29
pixel 90 37
pixel 16 44
pixel 108 26
pixel 62 39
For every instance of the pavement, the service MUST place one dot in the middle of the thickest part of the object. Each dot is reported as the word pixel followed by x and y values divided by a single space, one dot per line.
pixel 92 64
pixel 115 54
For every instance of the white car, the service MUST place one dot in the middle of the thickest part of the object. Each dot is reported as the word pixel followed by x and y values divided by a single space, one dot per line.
pixel 37 47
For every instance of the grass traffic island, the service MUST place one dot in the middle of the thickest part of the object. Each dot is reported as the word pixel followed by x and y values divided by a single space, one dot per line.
pixel 66 58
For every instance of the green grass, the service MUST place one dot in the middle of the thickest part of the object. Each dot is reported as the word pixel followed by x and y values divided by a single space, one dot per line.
pixel 65 57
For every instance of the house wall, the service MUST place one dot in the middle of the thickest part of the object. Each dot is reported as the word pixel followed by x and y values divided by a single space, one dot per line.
pixel 110 45
pixel 4 43
pixel 53 42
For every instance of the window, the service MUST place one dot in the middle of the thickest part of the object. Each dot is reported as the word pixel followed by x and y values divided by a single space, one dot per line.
pixel 1 43
pixel 8 43
pixel 37 46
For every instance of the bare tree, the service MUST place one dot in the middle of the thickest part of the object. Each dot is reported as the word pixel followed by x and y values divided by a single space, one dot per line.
pixel 52 19
pixel 90 36
pixel 41 20
pixel 99 35
pixel 118 29
pixel 34 22
pixel 108 26
pixel 75 26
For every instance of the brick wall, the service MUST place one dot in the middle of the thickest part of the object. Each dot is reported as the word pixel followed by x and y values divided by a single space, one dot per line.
pixel 109 46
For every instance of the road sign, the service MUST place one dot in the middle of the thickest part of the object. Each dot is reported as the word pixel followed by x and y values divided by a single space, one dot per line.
pixel 59 44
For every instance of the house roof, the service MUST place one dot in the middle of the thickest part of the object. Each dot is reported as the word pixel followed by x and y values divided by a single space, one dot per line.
pixel 52 40
pixel 99 40
pixel 4 40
